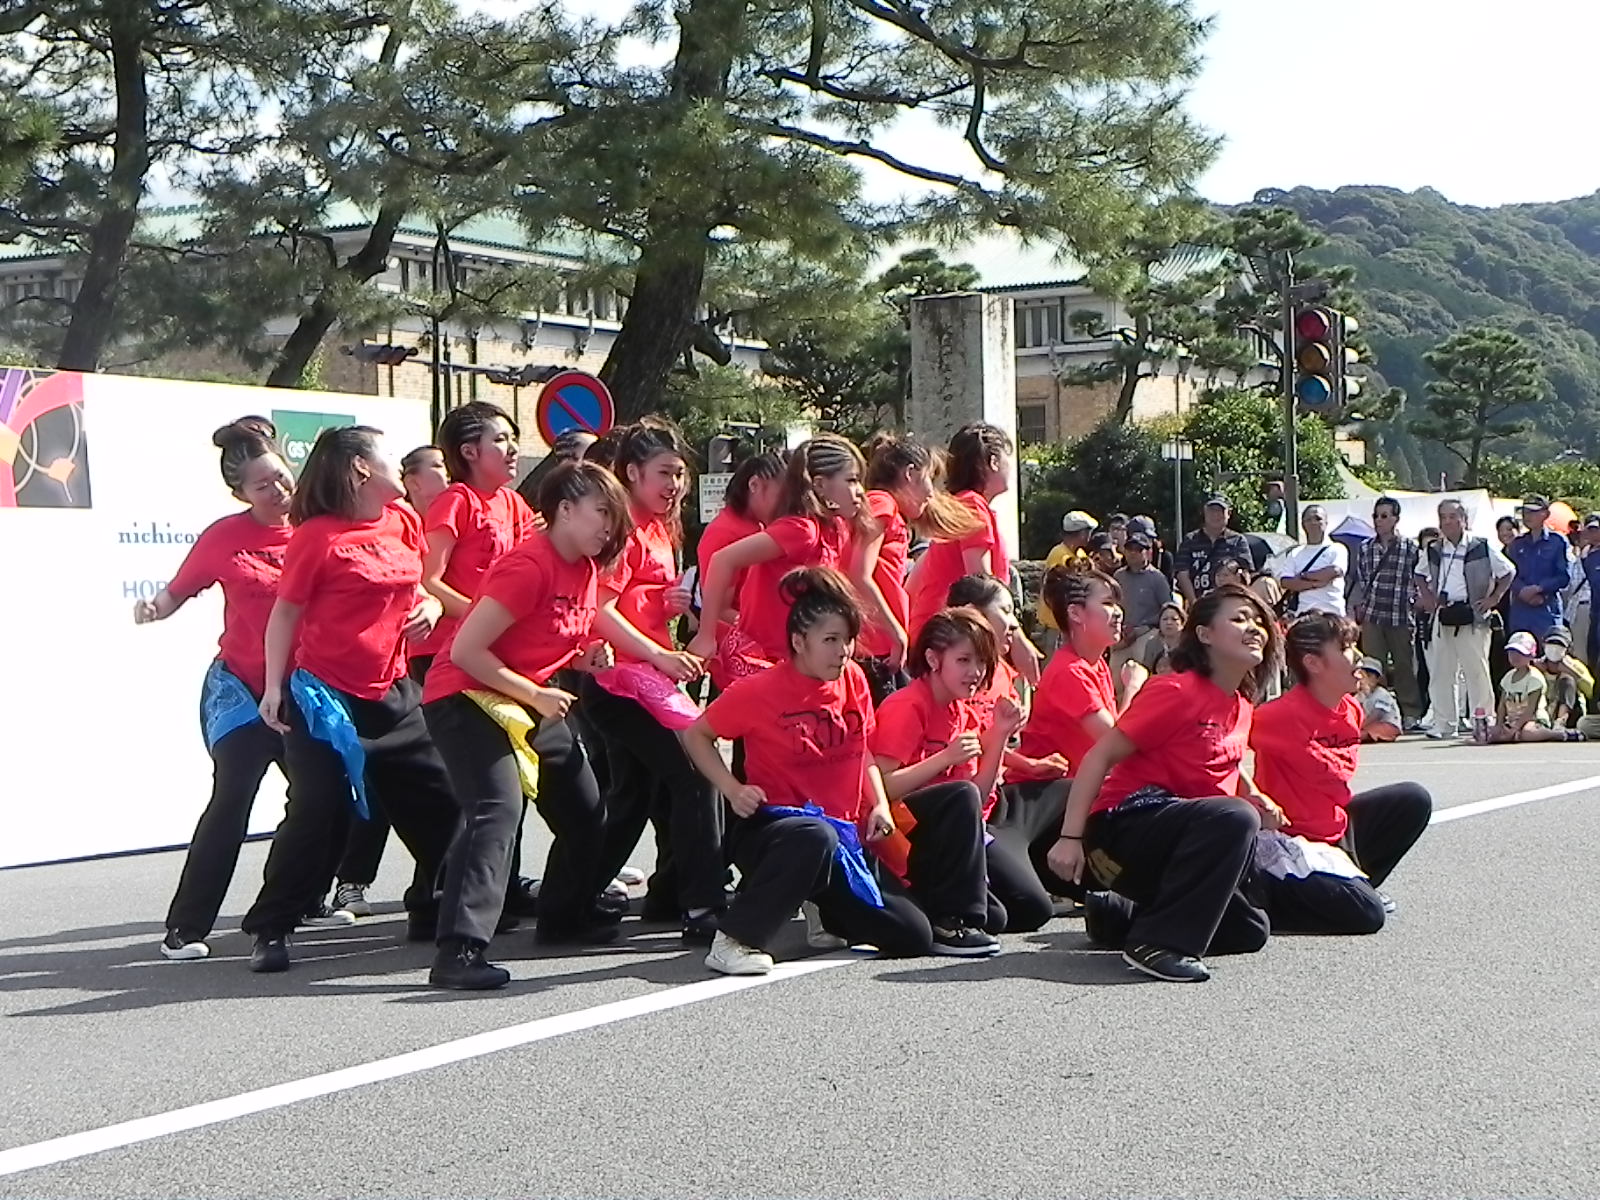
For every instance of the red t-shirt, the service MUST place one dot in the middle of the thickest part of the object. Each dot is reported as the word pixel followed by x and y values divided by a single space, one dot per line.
pixel 804 542
pixel 726 528
pixel 246 558
pixel 1305 759
pixel 890 574
pixel 356 582
pixel 1191 737
pixel 913 726
pixel 552 603
pixel 1072 687
pixel 641 577
pixel 804 739
pixel 484 526
pixel 945 562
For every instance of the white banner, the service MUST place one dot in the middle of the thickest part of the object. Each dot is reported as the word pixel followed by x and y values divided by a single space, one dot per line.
pixel 105 482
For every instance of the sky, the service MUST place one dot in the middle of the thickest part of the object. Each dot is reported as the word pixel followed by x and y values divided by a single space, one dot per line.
pixel 1487 101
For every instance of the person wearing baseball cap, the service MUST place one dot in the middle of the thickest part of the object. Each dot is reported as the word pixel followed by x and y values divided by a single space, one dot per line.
pixel 1201 551
pixel 1524 714
pixel 1569 684
pixel 1540 556
pixel 1076 528
pixel 1380 713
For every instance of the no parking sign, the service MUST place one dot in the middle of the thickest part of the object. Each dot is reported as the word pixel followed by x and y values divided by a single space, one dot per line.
pixel 574 401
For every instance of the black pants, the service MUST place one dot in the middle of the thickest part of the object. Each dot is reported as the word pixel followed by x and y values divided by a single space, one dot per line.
pixel 483 771
pixel 369 836
pixel 239 762
pixel 644 756
pixel 786 860
pixel 404 772
pixel 1384 824
pixel 1025 823
pixel 946 871
pixel 882 681
pixel 1184 864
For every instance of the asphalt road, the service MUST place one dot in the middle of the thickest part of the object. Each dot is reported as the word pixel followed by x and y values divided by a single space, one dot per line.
pixel 1452 1055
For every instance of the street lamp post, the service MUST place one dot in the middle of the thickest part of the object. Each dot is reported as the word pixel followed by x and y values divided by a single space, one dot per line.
pixel 1176 451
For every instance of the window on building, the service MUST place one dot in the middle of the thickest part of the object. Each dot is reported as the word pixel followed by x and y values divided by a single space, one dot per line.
pixel 1038 323
pixel 1032 427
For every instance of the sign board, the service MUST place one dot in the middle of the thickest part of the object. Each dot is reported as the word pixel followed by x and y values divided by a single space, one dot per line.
pixel 713 495
pixel 105 483
pixel 298 432
pixel 574 401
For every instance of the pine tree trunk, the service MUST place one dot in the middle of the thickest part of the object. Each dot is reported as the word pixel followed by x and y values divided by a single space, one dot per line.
pixel 318 320
pixel 663 311
pixel 94 308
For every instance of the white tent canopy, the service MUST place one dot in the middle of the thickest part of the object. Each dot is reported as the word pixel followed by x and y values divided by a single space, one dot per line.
pixel 1418 510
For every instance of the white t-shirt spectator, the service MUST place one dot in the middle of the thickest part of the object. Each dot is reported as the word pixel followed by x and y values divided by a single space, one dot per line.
pixel 1303 560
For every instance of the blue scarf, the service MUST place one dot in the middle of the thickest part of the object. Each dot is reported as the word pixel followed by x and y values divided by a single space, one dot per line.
pixel 225 705
pixel 329 721
pixel 847 856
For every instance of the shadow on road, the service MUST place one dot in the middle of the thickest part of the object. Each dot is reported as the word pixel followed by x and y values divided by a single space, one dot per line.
pixel 1068 958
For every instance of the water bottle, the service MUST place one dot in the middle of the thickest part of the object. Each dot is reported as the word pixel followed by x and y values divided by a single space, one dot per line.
pixel 1480 726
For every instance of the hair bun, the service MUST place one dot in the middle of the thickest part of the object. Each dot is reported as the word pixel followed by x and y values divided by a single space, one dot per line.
pixel 245 429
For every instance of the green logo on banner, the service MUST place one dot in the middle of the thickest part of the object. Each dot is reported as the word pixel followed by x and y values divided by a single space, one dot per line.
pixel 297 432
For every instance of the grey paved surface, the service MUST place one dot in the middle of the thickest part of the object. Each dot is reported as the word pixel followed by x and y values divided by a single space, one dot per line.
pixel 1455 1054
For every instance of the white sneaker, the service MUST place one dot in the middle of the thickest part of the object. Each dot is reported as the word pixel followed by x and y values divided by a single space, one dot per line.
pixel 817 937
pixel 323 917
pixel 617 890
pixel 735 958
pixel 631 876
pixel 175 949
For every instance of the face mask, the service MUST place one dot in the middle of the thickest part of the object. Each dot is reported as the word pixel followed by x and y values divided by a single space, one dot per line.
pixel 1554 653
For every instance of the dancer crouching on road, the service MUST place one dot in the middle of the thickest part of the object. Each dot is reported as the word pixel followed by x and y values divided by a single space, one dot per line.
pixel 350 716
pixel 941 768
pixel 1160 811
pixel 502 729
pixel 1306 746
pixel 812 784
pixel 244 554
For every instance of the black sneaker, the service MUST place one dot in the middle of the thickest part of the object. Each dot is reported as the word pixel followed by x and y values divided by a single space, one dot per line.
pixel 270 954
pixel 963 941
pixel 1106 920
pixel 581 933
pixel 701 930
pixel 1164 964
pixel 460 965
pixel 522 897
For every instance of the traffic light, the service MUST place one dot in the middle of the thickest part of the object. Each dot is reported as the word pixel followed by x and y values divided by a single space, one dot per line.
pixel 1323 358
pixel 523 376
pixel 381 353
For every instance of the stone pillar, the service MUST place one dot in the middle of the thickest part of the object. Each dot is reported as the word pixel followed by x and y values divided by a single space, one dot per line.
pixel 963 369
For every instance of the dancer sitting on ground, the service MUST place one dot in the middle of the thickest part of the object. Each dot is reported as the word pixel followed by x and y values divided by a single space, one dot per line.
pixel 1306 745
pixel 1161 812
pixel 811 784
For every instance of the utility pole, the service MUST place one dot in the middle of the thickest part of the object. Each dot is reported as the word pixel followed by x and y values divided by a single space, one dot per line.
pixel 1291 448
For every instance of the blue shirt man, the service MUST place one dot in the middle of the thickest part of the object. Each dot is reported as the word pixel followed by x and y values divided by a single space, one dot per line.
pixel 1540 559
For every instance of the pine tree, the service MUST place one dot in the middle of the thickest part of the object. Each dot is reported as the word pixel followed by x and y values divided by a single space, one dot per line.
pixel 1486 379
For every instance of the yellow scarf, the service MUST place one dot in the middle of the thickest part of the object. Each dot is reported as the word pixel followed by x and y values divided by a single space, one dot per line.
pixel 519 727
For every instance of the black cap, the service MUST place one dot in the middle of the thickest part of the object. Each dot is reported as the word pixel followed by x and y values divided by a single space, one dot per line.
pixel 1101 541
pixel 1136 541
pixel 1142 525
pixel 1592 521
pixel 1217 499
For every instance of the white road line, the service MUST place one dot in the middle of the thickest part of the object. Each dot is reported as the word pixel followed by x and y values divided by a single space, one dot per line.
pixel 212 1112
pixel 1495 803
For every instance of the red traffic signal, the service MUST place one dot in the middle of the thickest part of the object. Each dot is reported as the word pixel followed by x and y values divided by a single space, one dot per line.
pixel 1316 357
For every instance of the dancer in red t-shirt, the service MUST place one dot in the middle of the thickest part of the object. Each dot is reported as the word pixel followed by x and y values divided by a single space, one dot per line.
pixel 979 465
pixel 533 616
pixel 754 494
pixel 1306 744
pixel 243 553
pixel 468 525
pixel 636 705
pixel 941 769
pixel 351 590
pixel 823 508
pixel 904 495
pixel 1161 813
pixel 424 477
pixel 806 724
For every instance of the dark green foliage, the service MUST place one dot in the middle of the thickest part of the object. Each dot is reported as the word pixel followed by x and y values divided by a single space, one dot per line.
pixel 1488 381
